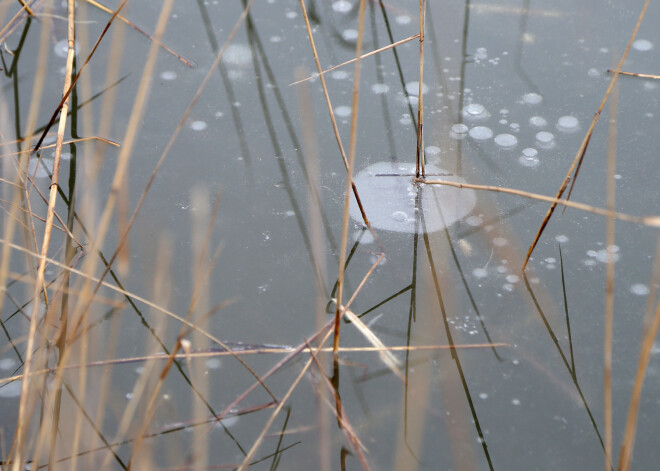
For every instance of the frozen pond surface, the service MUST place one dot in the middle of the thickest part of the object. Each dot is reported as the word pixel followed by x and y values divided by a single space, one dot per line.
pixel 393 202
pixel 509 91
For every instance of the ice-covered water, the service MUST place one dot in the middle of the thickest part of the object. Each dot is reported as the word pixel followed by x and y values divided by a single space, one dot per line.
pixel 481 133
pixel 394 202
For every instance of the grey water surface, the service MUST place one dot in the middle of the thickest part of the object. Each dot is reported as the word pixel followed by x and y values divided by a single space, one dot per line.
pixel 509 90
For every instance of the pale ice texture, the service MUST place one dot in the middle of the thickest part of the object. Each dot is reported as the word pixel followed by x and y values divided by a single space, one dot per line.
pixel 506 141
pixel 532 98
pixel 237 55
pixel 639 289
pixel 11 389
pixel 481 133
pixel 642 45
pixel 343 111
pixel 568 124
pixel 342 6
pixel 393 202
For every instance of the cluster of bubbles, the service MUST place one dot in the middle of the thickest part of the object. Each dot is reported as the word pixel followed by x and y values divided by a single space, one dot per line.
pixel 475 117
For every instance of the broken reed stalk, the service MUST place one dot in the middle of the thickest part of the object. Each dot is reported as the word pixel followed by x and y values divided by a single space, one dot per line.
pixel 342 420
pixel 635 74
pixel 271 419
pixel 651 326
pixel 311 156
pixel 651 221
pixel 420 160
pixel 54 187
pixel 213 353
pixel 333 120
pixel 585 142
pixel 169 146
pixel 11 24
pixel 75 80
pixel 350 61
pixel 349 174
pixel 26 7
pixel 26 401
pixel 609 277
pixel 144 33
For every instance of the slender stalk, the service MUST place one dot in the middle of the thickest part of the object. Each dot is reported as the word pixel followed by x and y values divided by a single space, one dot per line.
pixel 651 326
pixel 26 399
pixel 585 142
pixel 350 61
pixel 609 279
pixel 420 161
pixel 349 176
pixel 652 221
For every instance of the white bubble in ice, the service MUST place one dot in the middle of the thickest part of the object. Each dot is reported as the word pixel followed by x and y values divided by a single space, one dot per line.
pixel 239 55
pixel 368 238
pixel 198 125
pixel 459 131
pixel 537 122
pixel 7 364
pixel 291 14
pixel 395 203
pixel 481 53
pixel 61 48
pixel 642 45
pixel 432 151
pixel 639 289
pixel 530 152
pixel 480 273
pixel 400 216
pixel 530 162
pixel 483 396
pixel 168 75
pixel 568 124
pixel 339 74
pixel 474 110
pixel 350 35
pixel 532 98
pixel 474 221
pixel 44 168
pixel 515 402
pixel 608 254
pixel 380 88
pixel 506 141
pixel 499 241
pixel 508 287
pixel 11 390
pixel 544 137
pixel 342 6
pixel 403 19
pixel 405 119
pixel 213 363
pixel 481 133
pixel 561 238
pixel 593 73
pixel 413 88
pixel 229 421
pixel 343 111
pixel 512 278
